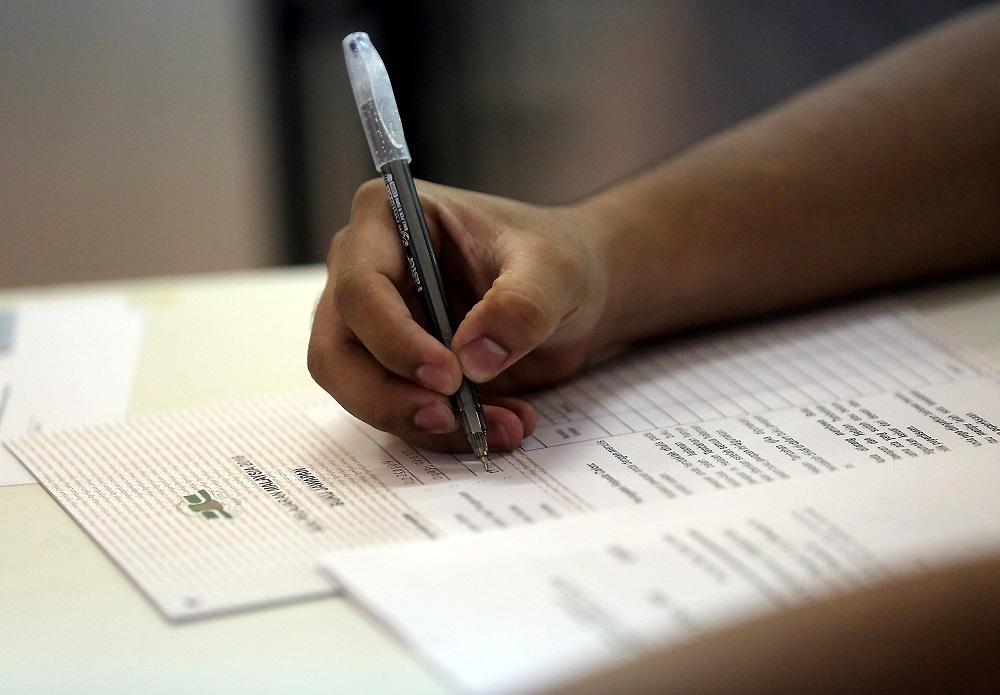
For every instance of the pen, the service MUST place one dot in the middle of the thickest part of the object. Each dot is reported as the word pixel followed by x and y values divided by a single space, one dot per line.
pixel 380 118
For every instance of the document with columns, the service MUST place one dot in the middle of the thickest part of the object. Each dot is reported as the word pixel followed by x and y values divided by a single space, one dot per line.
pixel 228 506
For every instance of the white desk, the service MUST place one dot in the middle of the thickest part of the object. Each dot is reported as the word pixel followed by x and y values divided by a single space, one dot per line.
pixel 72 622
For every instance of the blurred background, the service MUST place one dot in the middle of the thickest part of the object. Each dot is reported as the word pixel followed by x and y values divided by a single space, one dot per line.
pixel 147 137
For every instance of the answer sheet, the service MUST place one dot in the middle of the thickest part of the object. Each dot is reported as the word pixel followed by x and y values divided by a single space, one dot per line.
pixel 534 606
pixel 62 363
pixel 227 506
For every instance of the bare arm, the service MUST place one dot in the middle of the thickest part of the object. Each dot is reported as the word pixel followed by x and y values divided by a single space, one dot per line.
pixel 888 173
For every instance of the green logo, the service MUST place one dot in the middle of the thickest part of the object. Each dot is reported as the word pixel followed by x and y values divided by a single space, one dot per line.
pixel 202 503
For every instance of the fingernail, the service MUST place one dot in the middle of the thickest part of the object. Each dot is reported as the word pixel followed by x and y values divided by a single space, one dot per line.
pixel 435 377
pixel 436 417
pixel 481 359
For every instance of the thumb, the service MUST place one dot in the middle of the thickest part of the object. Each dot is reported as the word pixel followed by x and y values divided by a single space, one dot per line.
pixel 526 304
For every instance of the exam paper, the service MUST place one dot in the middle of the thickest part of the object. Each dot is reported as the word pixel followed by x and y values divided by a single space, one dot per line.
pixel 534 606
pixel 227 506
pixel 63 363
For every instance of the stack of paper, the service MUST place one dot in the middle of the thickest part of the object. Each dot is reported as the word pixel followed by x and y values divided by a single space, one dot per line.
pixel 743 468
pixel 530 607
pixel 63 363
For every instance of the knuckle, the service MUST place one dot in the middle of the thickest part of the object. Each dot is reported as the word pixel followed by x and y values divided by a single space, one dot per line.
pixel 379 411
pixel 564 270
pixel 562 264
pixel 350 290
pixel 369 193
pixel 315 361
pixel 335 249
pixel 320 366
pixel 378 417
pixel 527 317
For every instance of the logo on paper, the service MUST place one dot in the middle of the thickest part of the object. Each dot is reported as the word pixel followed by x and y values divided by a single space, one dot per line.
pixel 203 504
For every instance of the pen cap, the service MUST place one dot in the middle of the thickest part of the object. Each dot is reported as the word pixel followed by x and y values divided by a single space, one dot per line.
pixel 375 100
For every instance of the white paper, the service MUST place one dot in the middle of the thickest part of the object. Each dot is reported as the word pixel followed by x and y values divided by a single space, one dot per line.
pixel 63 363
pixel 527 608
pixel 227 506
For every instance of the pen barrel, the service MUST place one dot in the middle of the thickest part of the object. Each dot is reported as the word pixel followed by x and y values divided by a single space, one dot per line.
pixel 426 275
pixel 417 245
pixel 380 119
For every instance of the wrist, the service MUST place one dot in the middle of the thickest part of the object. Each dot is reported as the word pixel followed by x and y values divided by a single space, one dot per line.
pixel 660 278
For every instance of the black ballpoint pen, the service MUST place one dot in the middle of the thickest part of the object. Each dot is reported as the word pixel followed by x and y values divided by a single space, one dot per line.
pixel 380 118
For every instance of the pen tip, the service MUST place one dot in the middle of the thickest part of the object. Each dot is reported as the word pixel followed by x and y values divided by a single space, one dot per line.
pixel 488 465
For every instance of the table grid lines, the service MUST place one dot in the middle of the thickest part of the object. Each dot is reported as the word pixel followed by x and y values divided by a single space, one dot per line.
pixel 839 354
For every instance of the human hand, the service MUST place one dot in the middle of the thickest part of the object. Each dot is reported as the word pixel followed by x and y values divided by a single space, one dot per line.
pixel 528 284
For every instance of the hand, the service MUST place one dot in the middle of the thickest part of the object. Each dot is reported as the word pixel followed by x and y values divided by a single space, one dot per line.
pixel 528 284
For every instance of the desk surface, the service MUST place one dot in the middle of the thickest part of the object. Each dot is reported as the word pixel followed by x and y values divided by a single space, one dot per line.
pixel 72 621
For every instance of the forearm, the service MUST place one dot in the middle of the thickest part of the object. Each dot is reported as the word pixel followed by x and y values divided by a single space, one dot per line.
pixel 888 173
